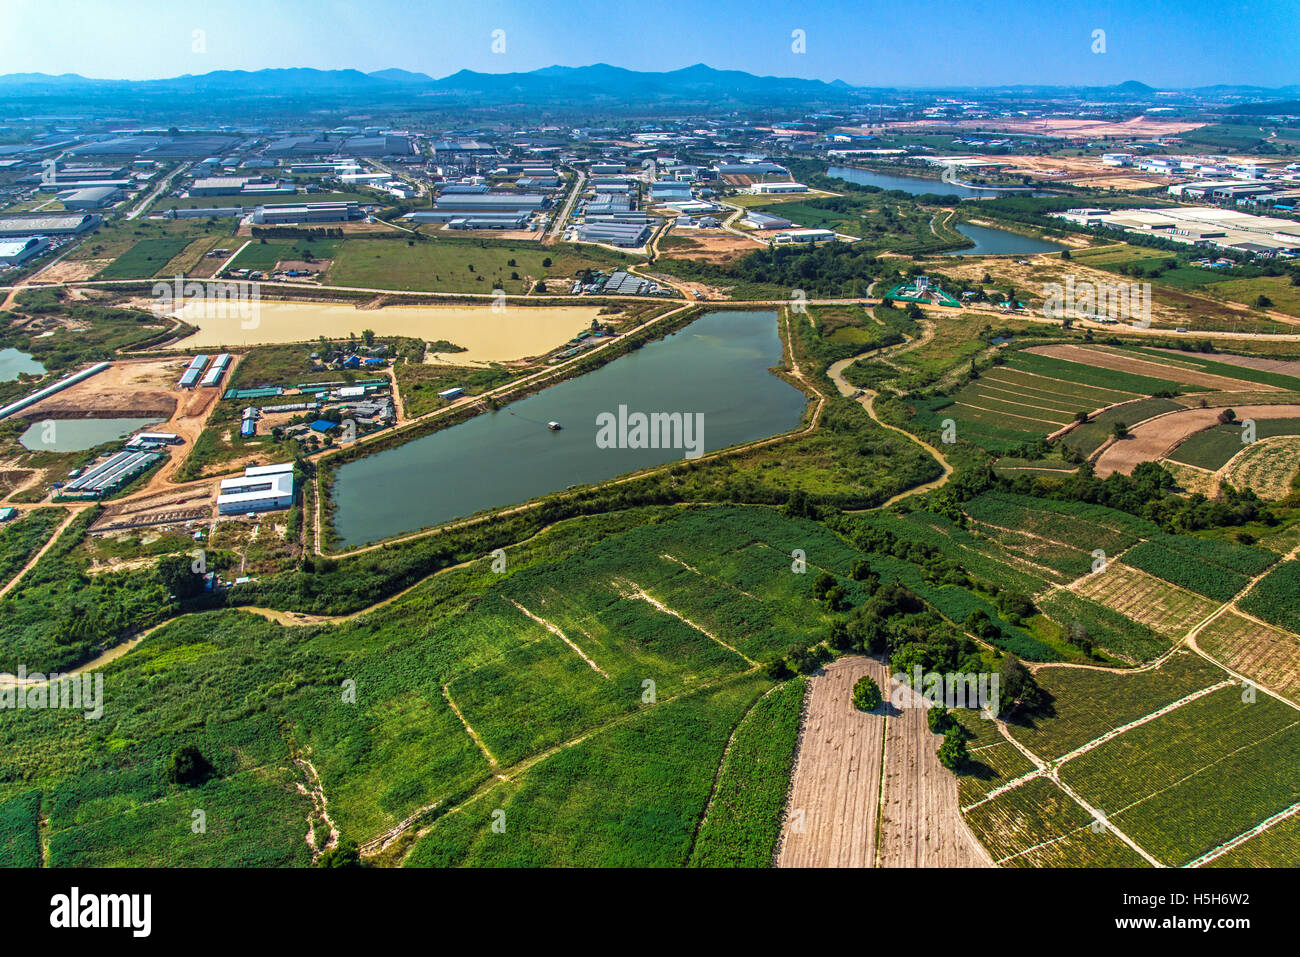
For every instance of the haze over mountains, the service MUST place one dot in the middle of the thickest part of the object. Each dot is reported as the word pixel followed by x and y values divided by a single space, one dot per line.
pixel 596 82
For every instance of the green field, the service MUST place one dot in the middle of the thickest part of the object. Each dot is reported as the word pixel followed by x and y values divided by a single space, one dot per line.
pixel 1214 447
pixel 1030 396
pixel 145 259
pixel 440 264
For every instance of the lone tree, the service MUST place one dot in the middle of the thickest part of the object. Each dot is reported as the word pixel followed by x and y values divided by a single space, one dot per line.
pixel 952 753
pixel 866 694
pixel 188 767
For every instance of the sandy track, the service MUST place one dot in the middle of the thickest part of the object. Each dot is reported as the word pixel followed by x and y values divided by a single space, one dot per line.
pixel 1157 437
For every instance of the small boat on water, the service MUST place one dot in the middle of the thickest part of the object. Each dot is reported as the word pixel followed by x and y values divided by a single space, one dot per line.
pixel 554 426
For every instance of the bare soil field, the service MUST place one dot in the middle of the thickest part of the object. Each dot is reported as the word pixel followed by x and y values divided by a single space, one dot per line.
pixel 1283 366
pixel 130 387
pixel 1139 126
pixel 1114 359
pixel 1156 438
pixel 1084 171
pixel 72 270
pixel 921 824
pixel 834 803
pixel 709 245
pixel 1165 608
pixel 858 775
pixel 1261 652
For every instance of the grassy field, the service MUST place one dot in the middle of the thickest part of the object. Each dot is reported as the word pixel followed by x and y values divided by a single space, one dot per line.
pixel 1155 780
pixel 459 265
pixel 263 254
pixel 419 384
pixel 145 259
pixel 1214 447
pixel 743 820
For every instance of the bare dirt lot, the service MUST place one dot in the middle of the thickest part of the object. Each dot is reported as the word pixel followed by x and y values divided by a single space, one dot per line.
pixel 858 773
pixel 73 270
pixel 1156 438
pixel 130 387
pixel 709 245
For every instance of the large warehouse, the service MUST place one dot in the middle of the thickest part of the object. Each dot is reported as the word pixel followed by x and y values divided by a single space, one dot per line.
pixel 54 225
pixel 262 488
pixel 306 213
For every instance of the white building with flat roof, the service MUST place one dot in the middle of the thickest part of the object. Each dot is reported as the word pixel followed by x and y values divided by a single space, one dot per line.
pixel 262 488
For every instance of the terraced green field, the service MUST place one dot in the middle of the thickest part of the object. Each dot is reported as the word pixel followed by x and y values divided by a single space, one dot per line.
pixel 1212 448
pixel 1033 395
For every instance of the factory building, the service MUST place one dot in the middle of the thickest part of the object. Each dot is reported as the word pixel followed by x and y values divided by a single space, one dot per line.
pixel 219 185
pixel 262 488
pixel 191 377
pixel 94 197
pixel 780 188
pixel 209 212
pixel 492 202
pixel 765 221
pixel 287 213
pixel 15 252
pixel 614 234
pixel 49 225
pixel 109 475
pixel 219 364
pixel 790 236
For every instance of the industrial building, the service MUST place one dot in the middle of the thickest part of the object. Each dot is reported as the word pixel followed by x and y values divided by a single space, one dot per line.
pixel 219 186
pixel 779 188
pixel 191 376
pixel 1199 226
pixel 491 202
pixel 261 488
pixel 49 390
pixel 210 212
pixel 765 221
pixel 47 225
pixel 218 369
pixel 306 213
pixel 94 197
pixel 109 475
pixel 15 252
pixel 790 236
pixel 614 234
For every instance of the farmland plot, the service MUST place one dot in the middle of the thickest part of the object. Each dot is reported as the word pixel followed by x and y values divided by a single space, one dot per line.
pixel 1274 597
pixel 1196 777
pixel 831 817
pixel 1261 652
pixel 1032 815
pixel 1089 703
pixel 1161 606
pixel 1268 467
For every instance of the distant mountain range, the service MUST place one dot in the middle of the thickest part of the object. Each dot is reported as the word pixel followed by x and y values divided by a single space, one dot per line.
pixel 596 83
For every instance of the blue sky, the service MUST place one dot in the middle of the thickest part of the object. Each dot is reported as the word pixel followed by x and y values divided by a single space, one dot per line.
pixel 1168 43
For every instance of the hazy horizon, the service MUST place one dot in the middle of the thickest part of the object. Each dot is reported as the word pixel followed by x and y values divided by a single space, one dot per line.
pixel 925 44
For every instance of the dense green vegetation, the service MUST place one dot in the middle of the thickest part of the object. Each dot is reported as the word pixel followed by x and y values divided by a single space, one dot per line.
pixel 743 820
